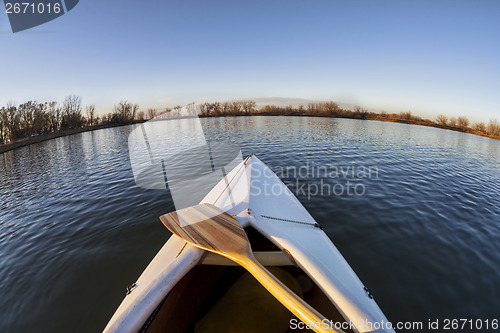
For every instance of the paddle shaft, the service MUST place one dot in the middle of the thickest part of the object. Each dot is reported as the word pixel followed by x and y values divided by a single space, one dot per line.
pixel 208 227
pixel 288 298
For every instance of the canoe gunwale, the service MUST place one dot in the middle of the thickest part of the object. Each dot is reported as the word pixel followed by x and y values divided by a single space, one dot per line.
pixel 308 246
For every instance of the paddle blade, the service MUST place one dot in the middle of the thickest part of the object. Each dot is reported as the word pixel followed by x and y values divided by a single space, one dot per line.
pixel 209 228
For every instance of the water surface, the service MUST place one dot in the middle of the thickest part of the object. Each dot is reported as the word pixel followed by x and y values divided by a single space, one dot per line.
pixel 424 234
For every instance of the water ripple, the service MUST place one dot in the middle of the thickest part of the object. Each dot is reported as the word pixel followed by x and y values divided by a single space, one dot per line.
pixel 425 234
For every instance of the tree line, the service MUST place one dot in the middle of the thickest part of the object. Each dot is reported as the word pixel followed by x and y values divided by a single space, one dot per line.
pixel 462 123
pixel 227 108
pixel 242 108
pixel 332 109
pixel 34 118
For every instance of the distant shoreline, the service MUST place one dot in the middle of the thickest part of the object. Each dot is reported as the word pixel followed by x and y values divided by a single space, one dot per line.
pixel 49 136
pixel 45 137
pixel 376 118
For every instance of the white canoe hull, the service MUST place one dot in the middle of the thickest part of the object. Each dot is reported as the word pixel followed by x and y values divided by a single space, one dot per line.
pixel 256 197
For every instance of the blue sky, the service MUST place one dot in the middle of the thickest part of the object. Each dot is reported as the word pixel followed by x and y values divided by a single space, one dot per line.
pixel 429 57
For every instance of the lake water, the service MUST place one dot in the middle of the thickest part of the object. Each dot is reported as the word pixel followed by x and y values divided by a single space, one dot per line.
pixel 420 224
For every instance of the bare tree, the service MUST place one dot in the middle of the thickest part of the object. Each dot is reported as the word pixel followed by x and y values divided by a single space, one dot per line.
pixel 442 119
pixel 209 109
pixel 480 127
pixel 236 107
pixel 216 108
pixel 288 109
pixel 152 113
pixel 452 122
pixel 225 108
pixel 3 128
pixel 26 118
pixel 140 115
pixel 176 111
pixel 124 112
pixel 463 122
pixel 331 108
pixel 41 123
pixel 248 106
pixel 55 116
pixel 72 112
pixel 493 128
pixel 191 110
pixel 360 112
pixel 91 114
pixel 312 108
pixel 406 115
pixel 13 121
pixel 205 108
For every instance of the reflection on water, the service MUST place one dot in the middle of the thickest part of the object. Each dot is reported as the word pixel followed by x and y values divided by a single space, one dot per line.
pixel 75 229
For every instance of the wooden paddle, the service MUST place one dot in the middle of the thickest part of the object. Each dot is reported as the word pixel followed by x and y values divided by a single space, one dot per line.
pixel 207 227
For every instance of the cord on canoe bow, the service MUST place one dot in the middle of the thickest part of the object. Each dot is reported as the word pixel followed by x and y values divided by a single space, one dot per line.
pixel 317 225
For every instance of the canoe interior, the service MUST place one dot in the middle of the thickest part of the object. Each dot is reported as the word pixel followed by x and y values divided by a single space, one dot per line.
pixel 204 285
